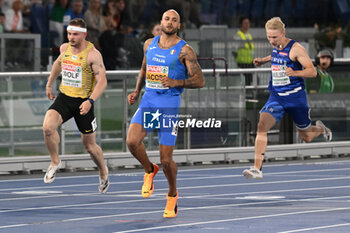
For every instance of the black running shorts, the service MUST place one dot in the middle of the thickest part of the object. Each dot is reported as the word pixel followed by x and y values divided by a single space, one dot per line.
pixel 68 107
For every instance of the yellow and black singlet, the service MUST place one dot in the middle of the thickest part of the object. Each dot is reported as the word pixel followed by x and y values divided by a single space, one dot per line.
pixel 78 79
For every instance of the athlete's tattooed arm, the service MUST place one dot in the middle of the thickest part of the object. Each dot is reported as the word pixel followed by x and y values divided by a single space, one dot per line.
pixel 189 59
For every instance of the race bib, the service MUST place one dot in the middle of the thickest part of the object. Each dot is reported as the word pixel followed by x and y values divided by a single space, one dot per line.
pixel 279 77
pixel 153 73
pixel 72 75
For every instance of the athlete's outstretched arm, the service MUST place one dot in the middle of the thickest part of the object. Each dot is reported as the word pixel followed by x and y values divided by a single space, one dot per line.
pixel 55 72
pixel 142 75
pixel 261 61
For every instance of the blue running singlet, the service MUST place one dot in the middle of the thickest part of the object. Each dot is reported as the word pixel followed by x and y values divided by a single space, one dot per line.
pixel 164 62
pixel 280 82
pixel 287 93
pixel 160 105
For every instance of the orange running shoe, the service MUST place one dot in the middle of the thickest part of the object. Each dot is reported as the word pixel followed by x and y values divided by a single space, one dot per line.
pixel 170 210
pixel 148 186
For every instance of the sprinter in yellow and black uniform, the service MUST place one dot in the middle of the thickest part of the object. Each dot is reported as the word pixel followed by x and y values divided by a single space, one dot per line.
pixel 81 66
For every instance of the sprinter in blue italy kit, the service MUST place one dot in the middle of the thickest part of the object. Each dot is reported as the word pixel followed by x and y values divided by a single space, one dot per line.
pixel 164 70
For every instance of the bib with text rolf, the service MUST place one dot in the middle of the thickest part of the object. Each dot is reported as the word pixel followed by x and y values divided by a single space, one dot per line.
pixel 72 75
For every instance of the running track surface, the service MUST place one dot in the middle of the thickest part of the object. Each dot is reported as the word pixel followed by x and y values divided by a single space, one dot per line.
pixel 304 197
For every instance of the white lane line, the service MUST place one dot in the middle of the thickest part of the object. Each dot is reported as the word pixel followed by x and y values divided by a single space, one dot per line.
pixel 205 169
pixel 160 211
pixel 209 196
pixel 37 192
pixel 192 187
pixel 180 179
pixel 129 174
pixel 234 219
pixel 316 228
pixel 160 194
pixel 260 197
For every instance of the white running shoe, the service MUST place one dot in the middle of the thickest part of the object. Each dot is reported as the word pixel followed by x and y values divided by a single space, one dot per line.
pixel 327 132
pixel 253 173
pixel 104 184
pixel 51 173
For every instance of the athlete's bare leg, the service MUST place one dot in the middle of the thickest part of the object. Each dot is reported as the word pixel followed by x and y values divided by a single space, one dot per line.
pixel 136 134
pixel 169 167
pixel 310 133
pixel 266 122
pixel 51 137
pixel 95 151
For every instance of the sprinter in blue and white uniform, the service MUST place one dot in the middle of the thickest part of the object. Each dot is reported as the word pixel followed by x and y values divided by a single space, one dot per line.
pixel 164 70
pixel 290 64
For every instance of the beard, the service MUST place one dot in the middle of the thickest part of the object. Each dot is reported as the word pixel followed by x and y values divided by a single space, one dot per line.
pixel 324 65
pixel 171 32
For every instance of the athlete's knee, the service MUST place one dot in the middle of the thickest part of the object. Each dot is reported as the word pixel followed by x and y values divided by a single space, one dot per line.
pixel 48 130
pixel 89 147
pixel 167 162
pixel 132 142
pixel 262 127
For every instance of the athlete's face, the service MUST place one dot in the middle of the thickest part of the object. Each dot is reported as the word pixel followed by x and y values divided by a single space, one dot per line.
pixel 75 38
pixel 170 23
pixel 325 62
pixel 275 37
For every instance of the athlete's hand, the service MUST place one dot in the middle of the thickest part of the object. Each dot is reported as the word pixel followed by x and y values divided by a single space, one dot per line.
pixel 168 82
pixel 258 61
pixel 49 93
pixel 133 97
pixel 85 107
pixel 290 72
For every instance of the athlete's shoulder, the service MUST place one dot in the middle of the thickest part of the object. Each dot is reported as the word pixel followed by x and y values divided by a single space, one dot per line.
pixel 297 46
pixel 147 43
pixel 93 56
pixel 187 49
pixel 94 52
pixel 187 53
pixel 63 47
pixel 297 49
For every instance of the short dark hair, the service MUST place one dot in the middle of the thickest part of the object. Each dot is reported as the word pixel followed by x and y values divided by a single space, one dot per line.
pixel 241 19
pixel 78 22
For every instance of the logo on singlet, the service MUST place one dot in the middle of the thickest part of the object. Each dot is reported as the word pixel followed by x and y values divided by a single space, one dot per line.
pixel 283 53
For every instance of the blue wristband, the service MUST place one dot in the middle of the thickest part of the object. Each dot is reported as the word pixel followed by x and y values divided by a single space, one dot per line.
pixel 91 101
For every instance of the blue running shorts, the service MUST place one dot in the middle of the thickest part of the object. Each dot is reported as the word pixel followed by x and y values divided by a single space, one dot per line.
pixel 294 104
pixel 159 112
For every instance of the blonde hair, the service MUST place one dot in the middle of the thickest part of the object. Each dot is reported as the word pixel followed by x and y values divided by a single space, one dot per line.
pixel 275 23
